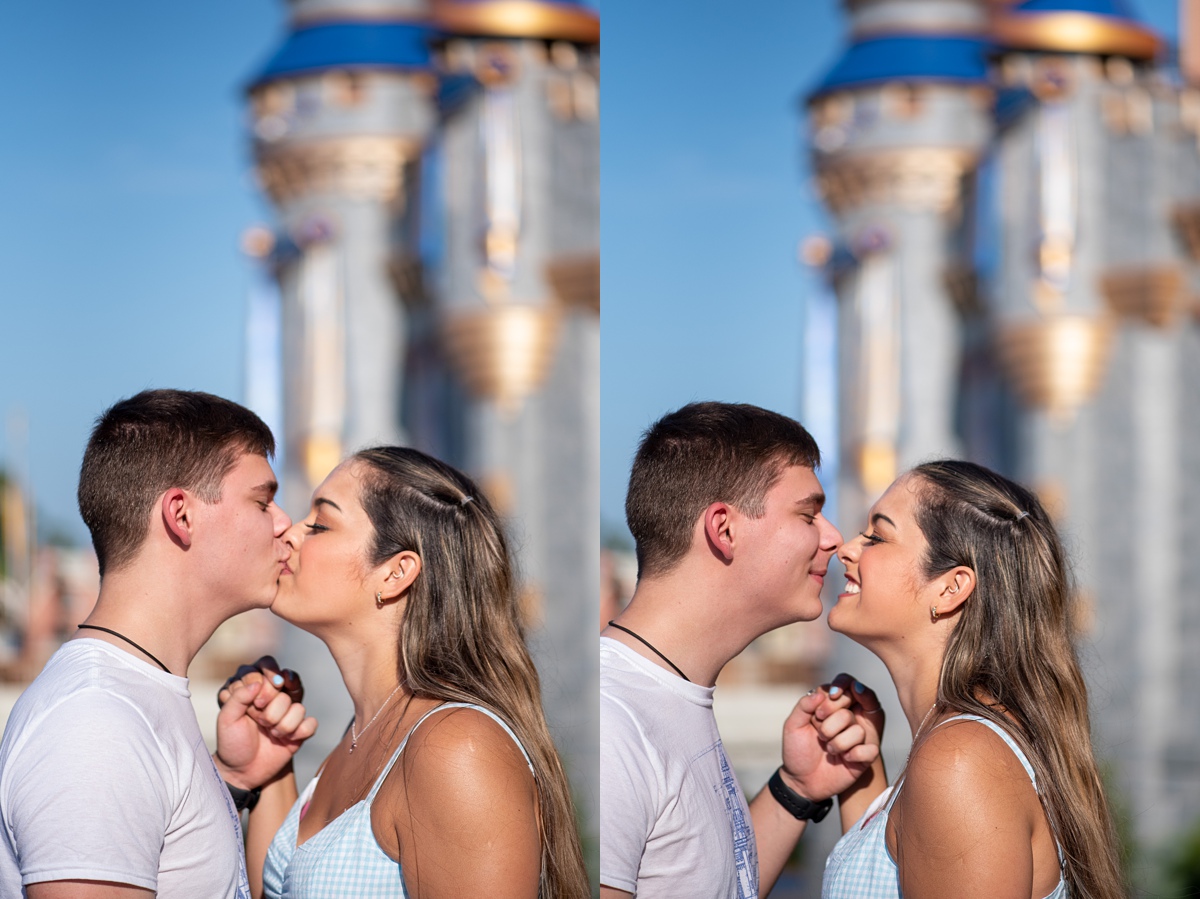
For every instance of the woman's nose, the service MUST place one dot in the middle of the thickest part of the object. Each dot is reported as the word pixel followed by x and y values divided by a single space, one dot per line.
pixel 294 534
pixel 848 554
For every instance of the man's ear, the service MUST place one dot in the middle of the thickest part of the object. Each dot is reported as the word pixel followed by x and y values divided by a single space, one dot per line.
pixel 401 570
pixel 718 530
pixel 177 515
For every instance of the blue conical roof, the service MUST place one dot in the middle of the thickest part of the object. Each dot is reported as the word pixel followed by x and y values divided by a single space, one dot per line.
pixel 402 45
pixel 956 59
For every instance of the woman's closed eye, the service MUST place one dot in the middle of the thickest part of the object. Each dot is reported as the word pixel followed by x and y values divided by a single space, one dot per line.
pixel 316 528
pixel 871 539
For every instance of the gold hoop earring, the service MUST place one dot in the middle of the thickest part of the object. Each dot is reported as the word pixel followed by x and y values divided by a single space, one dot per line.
pixel 379 599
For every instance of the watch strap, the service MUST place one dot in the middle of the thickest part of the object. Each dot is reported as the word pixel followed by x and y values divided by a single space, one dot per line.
pixel 796 805
pixel 244 800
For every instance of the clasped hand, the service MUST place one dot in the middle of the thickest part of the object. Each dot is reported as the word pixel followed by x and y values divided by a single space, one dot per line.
pixel 261 724
pixel 831 738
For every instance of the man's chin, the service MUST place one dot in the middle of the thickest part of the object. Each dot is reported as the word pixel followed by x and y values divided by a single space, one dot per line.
pixel 810 611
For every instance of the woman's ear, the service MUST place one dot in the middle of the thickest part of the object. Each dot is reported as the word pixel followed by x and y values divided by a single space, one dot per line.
pixel 399 573
pixel 954 588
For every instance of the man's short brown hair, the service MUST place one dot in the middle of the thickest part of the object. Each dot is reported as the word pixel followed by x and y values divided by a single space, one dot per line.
pixel 702 454
pixel 149 443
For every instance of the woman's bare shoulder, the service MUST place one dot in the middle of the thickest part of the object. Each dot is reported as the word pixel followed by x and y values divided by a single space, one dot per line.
pixel 458 761
pixel 964 774
pixel 461 740
pixel 963 822
pixel 461 808
pixel 964 756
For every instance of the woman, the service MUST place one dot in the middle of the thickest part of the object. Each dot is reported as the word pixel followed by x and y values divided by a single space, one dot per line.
pixel 959 585
pixel 446 784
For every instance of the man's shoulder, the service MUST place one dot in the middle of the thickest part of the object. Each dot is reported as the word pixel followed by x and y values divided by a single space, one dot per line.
pixel 626 689
pixel 642 716
pixel 628 680
pixel 79 693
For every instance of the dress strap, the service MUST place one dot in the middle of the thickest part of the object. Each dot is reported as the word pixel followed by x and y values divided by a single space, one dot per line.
pixel 438 708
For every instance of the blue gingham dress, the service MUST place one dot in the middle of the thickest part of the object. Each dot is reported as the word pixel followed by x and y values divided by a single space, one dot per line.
pixel 860 866
pixel 343 858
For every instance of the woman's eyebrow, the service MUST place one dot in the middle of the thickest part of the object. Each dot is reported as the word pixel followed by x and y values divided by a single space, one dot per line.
pixel 878 517
pixel 322 501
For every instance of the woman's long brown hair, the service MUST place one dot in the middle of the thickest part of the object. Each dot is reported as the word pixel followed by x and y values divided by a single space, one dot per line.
pixel 1010 657
pixel 461 639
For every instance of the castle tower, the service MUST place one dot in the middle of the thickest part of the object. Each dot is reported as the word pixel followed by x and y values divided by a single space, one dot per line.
pixel 896 124
pixel 1091 306
pixel 518 299
pixel 340 115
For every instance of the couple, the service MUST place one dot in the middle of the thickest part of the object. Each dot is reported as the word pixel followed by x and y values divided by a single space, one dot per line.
pixel 958 583
pixel 106 788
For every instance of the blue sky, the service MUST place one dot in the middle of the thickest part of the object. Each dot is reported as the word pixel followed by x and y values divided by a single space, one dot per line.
pixel 126 177
pixel 126 187
pixel 706 196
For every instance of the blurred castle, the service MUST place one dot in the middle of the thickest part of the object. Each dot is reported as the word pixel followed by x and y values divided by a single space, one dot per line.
pixel 1015 188
pixel 433 280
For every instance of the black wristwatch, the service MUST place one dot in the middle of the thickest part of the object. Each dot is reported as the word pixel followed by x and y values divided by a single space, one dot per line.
pixel 244 800
pixel 797 806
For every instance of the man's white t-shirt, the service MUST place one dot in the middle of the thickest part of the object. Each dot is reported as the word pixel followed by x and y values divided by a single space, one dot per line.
pixel 674 823
pixel 104 776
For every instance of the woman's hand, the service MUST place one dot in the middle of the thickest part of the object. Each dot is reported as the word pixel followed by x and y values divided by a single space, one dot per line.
pixel 261 724
pixel 832 738
pixel 266 665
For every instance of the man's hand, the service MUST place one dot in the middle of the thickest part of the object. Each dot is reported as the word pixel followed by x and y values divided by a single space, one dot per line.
pixel 260 725
pixel 831 738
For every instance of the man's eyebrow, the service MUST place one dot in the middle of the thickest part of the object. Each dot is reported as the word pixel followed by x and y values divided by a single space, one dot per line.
pixel 816 500
pixel 267 487
pixel 879 516
pixel 322 501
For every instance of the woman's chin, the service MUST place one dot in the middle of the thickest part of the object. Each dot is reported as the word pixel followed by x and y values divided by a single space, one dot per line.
pixel 836 618
pixel 279 608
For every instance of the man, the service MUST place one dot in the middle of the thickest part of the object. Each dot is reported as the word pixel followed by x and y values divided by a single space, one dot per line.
pixel 106 788
pixel 726 512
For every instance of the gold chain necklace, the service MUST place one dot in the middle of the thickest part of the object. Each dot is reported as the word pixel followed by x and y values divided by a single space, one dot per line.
pixel 916 737
pixel 355 734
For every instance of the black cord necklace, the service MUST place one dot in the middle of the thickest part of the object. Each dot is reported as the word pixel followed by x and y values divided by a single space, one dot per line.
pixel 96 627
pixel 651 648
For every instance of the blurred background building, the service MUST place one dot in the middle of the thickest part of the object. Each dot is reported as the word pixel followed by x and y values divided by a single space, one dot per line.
pixel 1015 192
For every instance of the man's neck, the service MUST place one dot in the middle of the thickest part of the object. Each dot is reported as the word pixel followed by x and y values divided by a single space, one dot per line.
pixel 151 610
pixel 686 623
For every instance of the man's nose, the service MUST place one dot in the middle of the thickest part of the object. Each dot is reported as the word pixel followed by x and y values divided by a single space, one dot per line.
pixel 831 537
pixel 283 522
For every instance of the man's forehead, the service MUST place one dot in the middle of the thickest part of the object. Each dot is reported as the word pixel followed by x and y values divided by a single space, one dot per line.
pixel 252 469
pixel 799 479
